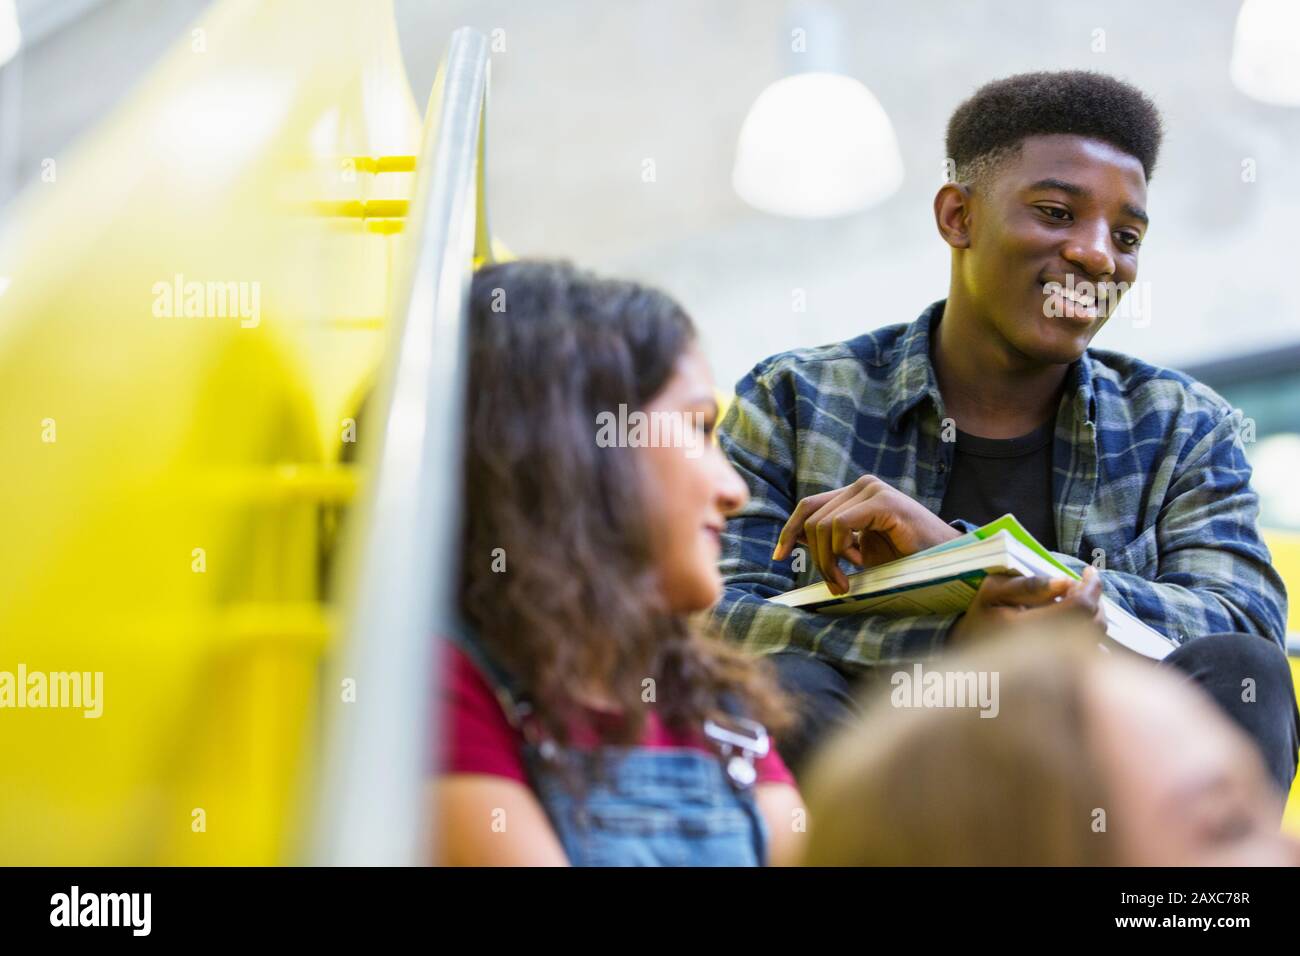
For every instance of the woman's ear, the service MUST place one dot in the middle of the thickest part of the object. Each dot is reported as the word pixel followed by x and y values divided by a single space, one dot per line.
pixel 952 214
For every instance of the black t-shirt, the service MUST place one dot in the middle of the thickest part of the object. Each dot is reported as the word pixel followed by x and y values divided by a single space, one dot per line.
pixel 993 476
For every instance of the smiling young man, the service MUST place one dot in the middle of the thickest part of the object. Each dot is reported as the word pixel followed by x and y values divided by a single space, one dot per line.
pixel 992 402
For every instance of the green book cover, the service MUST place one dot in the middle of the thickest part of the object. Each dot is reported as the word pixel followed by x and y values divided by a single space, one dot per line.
pixel 1011 526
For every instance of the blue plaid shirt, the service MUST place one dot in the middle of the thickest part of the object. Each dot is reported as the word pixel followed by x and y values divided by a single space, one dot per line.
pixel 1149 476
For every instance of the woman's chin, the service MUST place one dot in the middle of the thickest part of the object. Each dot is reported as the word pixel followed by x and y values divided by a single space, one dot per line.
pixel 699 593
pixel 714 592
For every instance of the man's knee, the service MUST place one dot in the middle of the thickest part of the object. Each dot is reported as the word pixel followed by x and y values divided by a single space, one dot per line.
pixel 823 699
pixel 1250 677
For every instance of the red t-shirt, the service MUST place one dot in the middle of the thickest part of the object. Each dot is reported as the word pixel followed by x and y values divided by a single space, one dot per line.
pixel 479 738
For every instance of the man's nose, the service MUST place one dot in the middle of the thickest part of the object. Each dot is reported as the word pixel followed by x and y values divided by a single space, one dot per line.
pixel 1090 251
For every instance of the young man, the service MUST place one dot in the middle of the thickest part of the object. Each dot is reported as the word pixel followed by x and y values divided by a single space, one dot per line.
pixel 992 402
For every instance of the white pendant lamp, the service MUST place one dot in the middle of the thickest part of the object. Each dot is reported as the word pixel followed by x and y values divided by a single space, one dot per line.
pixel 814 146
pixel 11 37
pixel 1266 51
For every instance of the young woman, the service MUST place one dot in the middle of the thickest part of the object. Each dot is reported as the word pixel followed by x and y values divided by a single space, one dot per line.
pixel 1092 759
pixel 587 721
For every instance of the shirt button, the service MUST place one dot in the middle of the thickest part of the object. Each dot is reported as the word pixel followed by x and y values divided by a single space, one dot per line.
pixel 943 467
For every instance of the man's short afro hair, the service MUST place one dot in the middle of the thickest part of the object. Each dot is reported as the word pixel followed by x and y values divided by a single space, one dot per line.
pixel 991 124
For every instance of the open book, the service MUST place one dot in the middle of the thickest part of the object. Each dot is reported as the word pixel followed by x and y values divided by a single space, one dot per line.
pixel 944 579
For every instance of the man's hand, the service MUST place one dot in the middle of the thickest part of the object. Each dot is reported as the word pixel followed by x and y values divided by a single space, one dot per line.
pixel 867 522
pixel 1003 600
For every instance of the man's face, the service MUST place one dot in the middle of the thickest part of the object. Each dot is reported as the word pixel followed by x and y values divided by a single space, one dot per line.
pixel 1065 211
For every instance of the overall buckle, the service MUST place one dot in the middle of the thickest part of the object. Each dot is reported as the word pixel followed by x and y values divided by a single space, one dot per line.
pixel 741 743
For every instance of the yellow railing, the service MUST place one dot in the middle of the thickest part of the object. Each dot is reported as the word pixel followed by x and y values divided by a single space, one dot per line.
pixel 196 307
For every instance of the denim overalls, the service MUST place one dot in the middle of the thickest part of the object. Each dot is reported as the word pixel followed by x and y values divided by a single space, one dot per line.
pixel 645 807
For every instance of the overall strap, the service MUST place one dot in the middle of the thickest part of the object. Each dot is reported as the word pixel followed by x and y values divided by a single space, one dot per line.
pixel 535 749
pixel 508 690
pixel 740 744
pixel 740 741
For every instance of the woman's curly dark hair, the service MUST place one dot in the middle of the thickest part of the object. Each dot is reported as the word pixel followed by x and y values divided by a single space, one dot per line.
pixel 577 605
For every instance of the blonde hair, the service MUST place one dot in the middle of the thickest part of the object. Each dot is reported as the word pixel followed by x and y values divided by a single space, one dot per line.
pixel 948 787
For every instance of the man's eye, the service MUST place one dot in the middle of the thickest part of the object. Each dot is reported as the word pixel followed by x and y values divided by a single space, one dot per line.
pixel 1130 240
pixel 1056 212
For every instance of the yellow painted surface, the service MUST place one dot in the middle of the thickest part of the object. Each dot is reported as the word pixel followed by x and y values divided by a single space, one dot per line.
pixel 1285 548
pixel 165 467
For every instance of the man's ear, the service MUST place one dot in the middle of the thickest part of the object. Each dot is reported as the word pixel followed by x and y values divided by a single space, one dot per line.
pixel 952 208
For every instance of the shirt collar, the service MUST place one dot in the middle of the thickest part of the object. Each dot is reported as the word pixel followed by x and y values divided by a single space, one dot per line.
pixel 1078 382
pixel 912 379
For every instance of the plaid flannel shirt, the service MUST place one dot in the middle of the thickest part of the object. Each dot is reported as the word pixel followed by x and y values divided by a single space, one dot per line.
pixel 1148 475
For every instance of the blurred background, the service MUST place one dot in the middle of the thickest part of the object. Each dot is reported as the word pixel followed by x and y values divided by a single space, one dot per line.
pixel 642 138
pixel 585 92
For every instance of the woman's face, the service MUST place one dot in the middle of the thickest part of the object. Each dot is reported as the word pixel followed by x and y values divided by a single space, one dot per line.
pixel 690 485
pixel 1188 787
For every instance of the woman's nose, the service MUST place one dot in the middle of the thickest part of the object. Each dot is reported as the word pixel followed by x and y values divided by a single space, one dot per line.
pixel 732 490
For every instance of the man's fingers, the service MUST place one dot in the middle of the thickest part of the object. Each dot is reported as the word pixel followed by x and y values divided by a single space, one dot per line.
pixel 1085 594
pixel 844 536
pixel 812 536
pixel 794 525
pixel 1091 581
pixel 814 518
pixel 1020 591
pixel 866 515
pixel 825 523
pixel 1052 612
pixel 842 522
pixel 1066 610
pixel 876 549
pixel 790 531
pixel 807 511
pixel 825 557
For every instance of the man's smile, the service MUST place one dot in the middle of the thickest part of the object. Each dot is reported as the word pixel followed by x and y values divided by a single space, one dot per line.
pixel 1067 301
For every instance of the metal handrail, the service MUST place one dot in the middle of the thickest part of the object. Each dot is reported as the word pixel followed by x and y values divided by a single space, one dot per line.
pixel 404 573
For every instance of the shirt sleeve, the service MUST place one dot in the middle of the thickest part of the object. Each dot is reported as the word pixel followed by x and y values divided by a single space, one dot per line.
pixel 1212 572
pixel 477 736
pixel 759 436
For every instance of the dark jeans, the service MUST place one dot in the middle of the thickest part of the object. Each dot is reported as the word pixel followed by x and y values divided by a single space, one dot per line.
pixel 827 697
